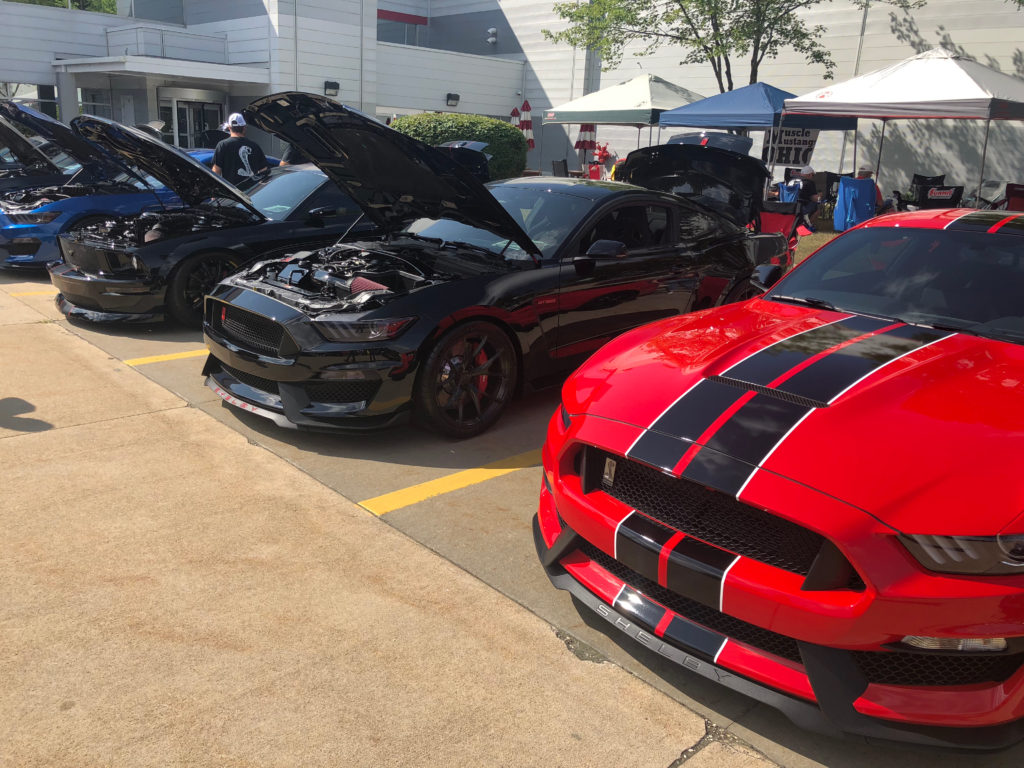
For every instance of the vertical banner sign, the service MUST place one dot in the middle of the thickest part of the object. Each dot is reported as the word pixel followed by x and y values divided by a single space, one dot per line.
pixel 790 147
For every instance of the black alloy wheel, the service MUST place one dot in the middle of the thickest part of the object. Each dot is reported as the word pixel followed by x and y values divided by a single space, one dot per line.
pixel 742 291
pixel 192 280
pixel 467 380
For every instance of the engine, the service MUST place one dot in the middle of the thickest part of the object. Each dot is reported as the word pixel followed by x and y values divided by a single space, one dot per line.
pixel 150 227
pixel 341 278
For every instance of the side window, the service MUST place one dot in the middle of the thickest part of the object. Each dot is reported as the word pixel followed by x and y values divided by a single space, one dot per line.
pixel 638 226
pixel 329 196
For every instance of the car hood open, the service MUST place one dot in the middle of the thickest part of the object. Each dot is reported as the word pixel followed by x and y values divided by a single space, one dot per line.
pixel 94 160
pixel 189 179
pixel 24 151
pixel 727 182
pixel 393 177
pixel 897 442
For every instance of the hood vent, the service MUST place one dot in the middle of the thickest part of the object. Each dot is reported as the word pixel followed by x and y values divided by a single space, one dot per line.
pixel 778 394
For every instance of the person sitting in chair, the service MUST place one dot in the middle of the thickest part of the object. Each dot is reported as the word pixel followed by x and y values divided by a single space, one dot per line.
pixel 881 205
pixel 808 197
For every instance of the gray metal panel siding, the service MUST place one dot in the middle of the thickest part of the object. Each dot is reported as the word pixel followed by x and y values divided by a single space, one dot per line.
pixel 204 11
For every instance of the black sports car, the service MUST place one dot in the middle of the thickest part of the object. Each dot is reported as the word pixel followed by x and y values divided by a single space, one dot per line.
pixel 141 267
pixel 470 293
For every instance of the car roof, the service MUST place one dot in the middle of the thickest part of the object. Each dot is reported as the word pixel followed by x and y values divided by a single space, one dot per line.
pixel 957 219
pixel 586 188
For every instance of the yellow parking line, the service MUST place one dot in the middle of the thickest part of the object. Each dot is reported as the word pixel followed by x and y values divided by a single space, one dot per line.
pixel 164 358
pixel 389 502
pixel 51 292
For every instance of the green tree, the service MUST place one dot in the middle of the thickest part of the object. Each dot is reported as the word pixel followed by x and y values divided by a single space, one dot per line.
pixel 721 33
pixel 99 6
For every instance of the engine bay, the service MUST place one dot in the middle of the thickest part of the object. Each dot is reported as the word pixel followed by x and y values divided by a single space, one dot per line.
pixel 26 200
pixel 341 278
pixel 152 226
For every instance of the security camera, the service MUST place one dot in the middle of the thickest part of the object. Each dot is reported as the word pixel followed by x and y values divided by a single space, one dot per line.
pixel 492 39
pixel 493 31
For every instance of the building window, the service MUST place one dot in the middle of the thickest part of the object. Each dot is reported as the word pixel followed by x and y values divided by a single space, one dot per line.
pixel 404 28
pixel 97 6
pixel 96 103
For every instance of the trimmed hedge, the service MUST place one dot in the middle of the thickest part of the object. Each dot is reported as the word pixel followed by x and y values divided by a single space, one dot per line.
pixel 504 141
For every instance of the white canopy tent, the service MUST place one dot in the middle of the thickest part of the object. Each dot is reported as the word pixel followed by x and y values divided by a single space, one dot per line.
pixel 638 102
pixel 936 84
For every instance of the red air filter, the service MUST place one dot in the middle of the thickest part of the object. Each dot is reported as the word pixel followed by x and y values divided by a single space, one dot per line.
pixel 360 284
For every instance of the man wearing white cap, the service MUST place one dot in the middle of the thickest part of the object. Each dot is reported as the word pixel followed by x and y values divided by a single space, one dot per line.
pixel 237 158
pixel 865 172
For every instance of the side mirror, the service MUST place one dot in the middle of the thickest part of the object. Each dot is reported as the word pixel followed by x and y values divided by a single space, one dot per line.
pixel 584 265
pixel 765 276
pixel 607 249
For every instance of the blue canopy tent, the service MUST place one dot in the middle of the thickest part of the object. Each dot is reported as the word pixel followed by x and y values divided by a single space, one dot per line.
pixel 758 106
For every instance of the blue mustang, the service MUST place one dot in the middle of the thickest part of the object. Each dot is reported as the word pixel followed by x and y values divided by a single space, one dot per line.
pixel 91 187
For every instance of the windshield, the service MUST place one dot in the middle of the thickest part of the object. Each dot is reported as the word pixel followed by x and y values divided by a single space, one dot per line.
pixel 546 216
pixel 966 281
pixel 283 191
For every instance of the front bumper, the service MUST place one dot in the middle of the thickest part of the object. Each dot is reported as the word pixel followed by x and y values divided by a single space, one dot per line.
pixel 103 299
pixel 29 251
pixel 827 651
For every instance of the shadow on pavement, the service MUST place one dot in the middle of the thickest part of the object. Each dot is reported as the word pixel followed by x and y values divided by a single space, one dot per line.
pixel 9 276
pixel 11 410
pixel 161 331
pixel 522 428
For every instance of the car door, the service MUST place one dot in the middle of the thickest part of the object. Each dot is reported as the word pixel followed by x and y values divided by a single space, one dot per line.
pixel 602 296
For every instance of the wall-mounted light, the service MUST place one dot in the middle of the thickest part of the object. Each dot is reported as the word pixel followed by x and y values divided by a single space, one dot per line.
pixel 492 35
pixel 331 88
pixel 452 99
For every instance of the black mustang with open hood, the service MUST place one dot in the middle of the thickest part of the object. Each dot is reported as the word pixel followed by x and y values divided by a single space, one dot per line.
pixel 141 267
pixel 469 293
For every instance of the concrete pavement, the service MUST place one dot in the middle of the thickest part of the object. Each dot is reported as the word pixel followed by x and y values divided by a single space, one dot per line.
pixel 171 593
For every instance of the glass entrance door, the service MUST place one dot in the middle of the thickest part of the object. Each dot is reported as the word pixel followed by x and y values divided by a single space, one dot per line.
pixel 195 117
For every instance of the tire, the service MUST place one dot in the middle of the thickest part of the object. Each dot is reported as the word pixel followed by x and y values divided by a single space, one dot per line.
pixel 742 291
pixel 192 280
pixel 460 400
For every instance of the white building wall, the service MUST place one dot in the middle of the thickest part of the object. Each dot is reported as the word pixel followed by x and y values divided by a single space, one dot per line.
pixel 419 79
pixel 31 35
pixel 248 39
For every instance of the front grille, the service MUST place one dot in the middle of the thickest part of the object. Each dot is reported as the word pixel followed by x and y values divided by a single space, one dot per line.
pixel 712 516
pixel 247 328
pixel 342 391
pixel 923 669
pixel 752 635
pixel 256 382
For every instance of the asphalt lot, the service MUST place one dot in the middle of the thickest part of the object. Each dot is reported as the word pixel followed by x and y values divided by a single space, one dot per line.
pixel 470 502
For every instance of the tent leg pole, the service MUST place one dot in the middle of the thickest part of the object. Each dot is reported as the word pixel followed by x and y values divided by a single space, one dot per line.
pixel 638 129
pixel 984 152
pixel 878 163
pixel 855 135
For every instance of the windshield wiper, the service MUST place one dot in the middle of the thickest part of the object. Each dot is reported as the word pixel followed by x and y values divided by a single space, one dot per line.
pixel 808 301
pixel 470 246
pixel 424 238
pixel 976 329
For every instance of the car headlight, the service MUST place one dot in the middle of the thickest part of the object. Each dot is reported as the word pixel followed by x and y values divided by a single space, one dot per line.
pixel 363 330
pixel 42 217
pixel 979 555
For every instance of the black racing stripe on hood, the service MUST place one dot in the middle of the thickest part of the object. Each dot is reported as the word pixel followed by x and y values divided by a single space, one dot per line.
pixel 825 379
pixel 767 365
pixel 664 444
pixel 756 428
pixel 978 221
pixel 719 471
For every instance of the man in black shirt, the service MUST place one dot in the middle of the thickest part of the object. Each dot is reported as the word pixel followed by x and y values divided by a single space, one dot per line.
pixel 237 158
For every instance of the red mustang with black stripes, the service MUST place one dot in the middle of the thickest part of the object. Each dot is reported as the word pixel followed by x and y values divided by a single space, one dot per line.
pixel 816 496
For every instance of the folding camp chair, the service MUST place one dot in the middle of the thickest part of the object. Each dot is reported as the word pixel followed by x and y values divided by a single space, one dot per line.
pixel 560 167
pixel 855 203
pixel 1014 198
pixel 783 218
